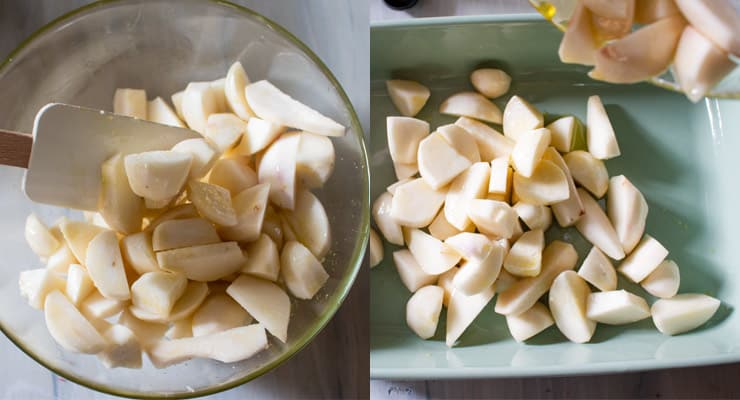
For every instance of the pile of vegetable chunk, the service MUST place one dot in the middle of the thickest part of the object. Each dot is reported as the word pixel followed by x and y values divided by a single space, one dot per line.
pixel 472 205
pixel 191 245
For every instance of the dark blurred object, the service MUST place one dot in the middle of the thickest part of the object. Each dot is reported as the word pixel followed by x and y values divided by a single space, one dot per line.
pixel 400 4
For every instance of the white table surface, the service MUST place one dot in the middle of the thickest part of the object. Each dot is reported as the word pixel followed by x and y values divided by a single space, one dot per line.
pixel 335 364
pixel 691 383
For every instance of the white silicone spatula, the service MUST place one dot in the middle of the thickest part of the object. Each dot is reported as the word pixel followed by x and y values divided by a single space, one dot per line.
pixel 68 146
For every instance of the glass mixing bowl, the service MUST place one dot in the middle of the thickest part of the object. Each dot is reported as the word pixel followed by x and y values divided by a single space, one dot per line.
pixel 160 46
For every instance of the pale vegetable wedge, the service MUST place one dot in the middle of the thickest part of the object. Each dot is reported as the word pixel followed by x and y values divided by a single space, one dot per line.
pixel 643 260
pixel 520 116
pixel 250 205
pixel 203 263
pixel 441 229
pixel 218 313
pixel 224 130
pixel 138 253
pixel 315 162
pixel 423 309
pixel 490 82
pixel 213 202
pixel 492 217
pixel 535 217
pixel 640 55
pixel 228 346
pixel 627 210
pixel 97 306
pixel 271 104
pixel 471 105
pixel 611 8
pixel 410 272
pixel 157 175
pixel 597 229
pixel 477 275
pixel 611 28
pixel 404 135
pixel 105 265
pixel 601 139
pixel 460 140
pixel 519 297
pixel 375 248
pixel 504 281
pixel 60 261
pixel 547 185
pixel 471 184
pixel 616 307
pixel 78 235
pixel 177 102
pixel 204 154
pixel 568 134
pixel 278 168
pixel 395 185
pixel 470 246
pixel 445 282
pixel 236 81
pixel 119 206
pixel 183 233
pixel 218 88
pixel 147 333
pixel 663 281
pixel 588 171
pixel 79 285
pixel 683 312
pixel 39 238
pixel 232 174
pixel 265 301
pixel 529 323
pixel 301 271
pixel 199 100
pixel 180 329
pixel 568 211
pixel 405 171
pixel 699 64
pixel 439 163
pixel 434 256
pixel 123 350
pixel 160 112
pixel 272 226
pixel 264 259
pixel 189 301
pixel 717 20
pixel 36 284
pixel 310 223
pixel 181 211
pixel 387 225
pixel 579 45
pixel 647 11
pixel 157 292
pixel 598 270
pixel 69 328
pixel 525 256
pixel 491 143
pixel 501 176
pixel 409 97
pixel 258 135
pixel 130 102
pixel 568 300
pixel 462 310
pixel 528 150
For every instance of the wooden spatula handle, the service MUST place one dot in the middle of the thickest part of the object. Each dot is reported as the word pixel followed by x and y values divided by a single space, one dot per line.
pixel 15 148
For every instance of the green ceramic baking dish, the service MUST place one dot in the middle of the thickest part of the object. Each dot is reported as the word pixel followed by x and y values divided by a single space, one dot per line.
pixel 682 156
